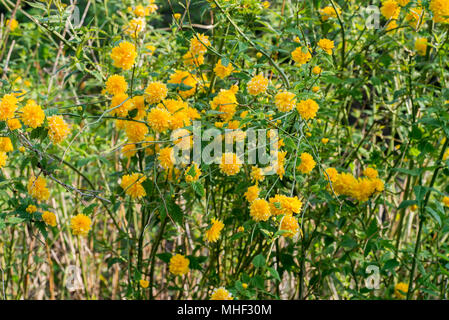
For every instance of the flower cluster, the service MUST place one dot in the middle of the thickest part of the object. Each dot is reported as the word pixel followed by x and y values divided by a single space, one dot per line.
pixel 360 189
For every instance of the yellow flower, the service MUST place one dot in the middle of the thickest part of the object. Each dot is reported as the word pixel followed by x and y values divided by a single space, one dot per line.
pixel 326 45
pixel 3 158
pixel 144 283
pixel 179 120
pixel 301 55
pixel 129 150
pixel 32 114
pixel 363 189
pixel 8 105
pixel 289 224
pixel 58 129
pixel 400 290
pixel 6 144
pixel 446 201
pixel 177 16
pixel 316 70
pixel 150 48
pixel 324 140
pixel 192 61
pixel 179 265
pixel 440 10
pixel 392 24
pixel 141 11
pixel 285 101
pixel 307 163
pixel 13 24
pixel 138 102
pixel 280 204
pixel 135 131
pixel 193 173
pixel 31 209
pixel 80 224
pixel 244 285
pixel 307 109
pixel 226 102
pixel 150 146
pixel 332 173
pixel 360 189
pixel 241 229
pixel 370 173
pixel 135 26
pixel 260 210
pixel 257 85
pixel 37 188
pixel 223 71
pixel 166 158
pixel 315 89
pixel 132 184
pixel 390 9
pixel 421 46
pixel 213 233
pixel 221 294
pixel 198 44
pixel 446 154
pixel 403 3
pixel 257 174
pixel 116 84
pixel 328 12
pixel 233 125
pixel 252 193
pixel 230 164
pixel 124 55
pixel 344 183
pixel 14 124
pixel 49 218
pixel 151 6
pixel 159 119
pixel 415 17
pixel 187 83
pixel 120 105
pixel 279 163
pixel 266 4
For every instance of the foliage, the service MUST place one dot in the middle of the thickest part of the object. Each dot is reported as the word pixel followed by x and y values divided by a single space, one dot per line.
pixel 361 178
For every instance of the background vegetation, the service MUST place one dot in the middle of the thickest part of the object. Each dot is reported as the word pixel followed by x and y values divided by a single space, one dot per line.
pixel 383 104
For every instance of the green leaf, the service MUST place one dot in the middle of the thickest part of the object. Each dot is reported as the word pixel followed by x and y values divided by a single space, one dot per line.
pixel 348 242
pixel 416 133
pixel 258 282
pixel 14 220
pixel 414 172
pixel 391 264
pixel 420 192
pixel 274 274
pixel 236 236
pixel 164 256
pixel 407 203
pixel 434 215
pixel 42 228
pixel 259 261
pixel 88 210
pixel 198 188
pixel 224 62
pixel 174 211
